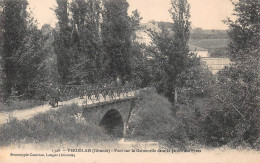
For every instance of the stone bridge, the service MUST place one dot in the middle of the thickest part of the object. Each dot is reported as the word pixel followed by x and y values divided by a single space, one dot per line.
pixel 108 107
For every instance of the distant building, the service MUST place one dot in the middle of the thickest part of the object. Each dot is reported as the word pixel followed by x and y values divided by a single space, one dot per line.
pixel 214 64
pixel 201 52
pixel 142 35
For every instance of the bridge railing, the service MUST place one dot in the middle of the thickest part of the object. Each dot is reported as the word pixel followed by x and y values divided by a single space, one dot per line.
pixel 94 93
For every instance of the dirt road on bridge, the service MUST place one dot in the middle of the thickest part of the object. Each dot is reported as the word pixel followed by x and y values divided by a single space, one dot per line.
pixel 31 112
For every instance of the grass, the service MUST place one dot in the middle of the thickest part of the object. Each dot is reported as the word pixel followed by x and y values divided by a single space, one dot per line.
pixel 152 118
pixel 54 127
pixel 20 105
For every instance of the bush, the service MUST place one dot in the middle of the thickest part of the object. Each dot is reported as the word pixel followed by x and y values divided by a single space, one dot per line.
pixel 233 116
pixel 188 119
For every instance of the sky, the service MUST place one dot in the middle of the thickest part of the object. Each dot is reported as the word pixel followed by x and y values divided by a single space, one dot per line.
pixel 206 14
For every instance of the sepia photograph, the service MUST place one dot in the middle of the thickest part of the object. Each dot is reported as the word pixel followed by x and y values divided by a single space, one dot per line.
pixel 125 81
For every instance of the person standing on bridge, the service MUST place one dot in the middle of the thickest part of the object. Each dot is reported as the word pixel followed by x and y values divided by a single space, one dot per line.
pixel 54 95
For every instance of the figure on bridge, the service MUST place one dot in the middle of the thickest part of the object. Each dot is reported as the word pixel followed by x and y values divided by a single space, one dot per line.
pixel 54 95
pixel 89 95
pixel 97 92
pixel 81 90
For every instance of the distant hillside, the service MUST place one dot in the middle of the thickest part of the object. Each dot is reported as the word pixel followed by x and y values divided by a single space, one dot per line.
pixel 215 41
pixel 197 33
pixel 209 43
pixel 216 47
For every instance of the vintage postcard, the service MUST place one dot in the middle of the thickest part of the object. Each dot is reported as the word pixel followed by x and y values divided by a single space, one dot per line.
pixel 130 81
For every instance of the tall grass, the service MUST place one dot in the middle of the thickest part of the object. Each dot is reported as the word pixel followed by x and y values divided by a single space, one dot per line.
pixel 152 118
pixel 62 126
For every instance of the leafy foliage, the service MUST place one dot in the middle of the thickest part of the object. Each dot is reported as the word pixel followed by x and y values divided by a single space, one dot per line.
pixel 31 62
pixel 116 35
pixel 13 23
pixel 236 120
pixel 141 67
pixel 244 32
pixel 171 51
pixel 93 42
pixel 62 40
pixel 22 50
pixel 1 51
pixel 88 51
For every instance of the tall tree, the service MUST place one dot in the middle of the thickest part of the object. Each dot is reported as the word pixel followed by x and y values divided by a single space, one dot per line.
pixel 62 40
pixel 22 50
pixel 13 23
pixel 78 42
pixel 1 29
pixel 32 54
pixel 116 35
pixel 1 51
pixel 86 19
pixel 244 32
pixel 51 58
pixel 179 58
pixel 173 56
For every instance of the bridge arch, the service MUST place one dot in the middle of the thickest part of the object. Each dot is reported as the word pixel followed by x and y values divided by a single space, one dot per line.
pixel 112 116
pixel 113 123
